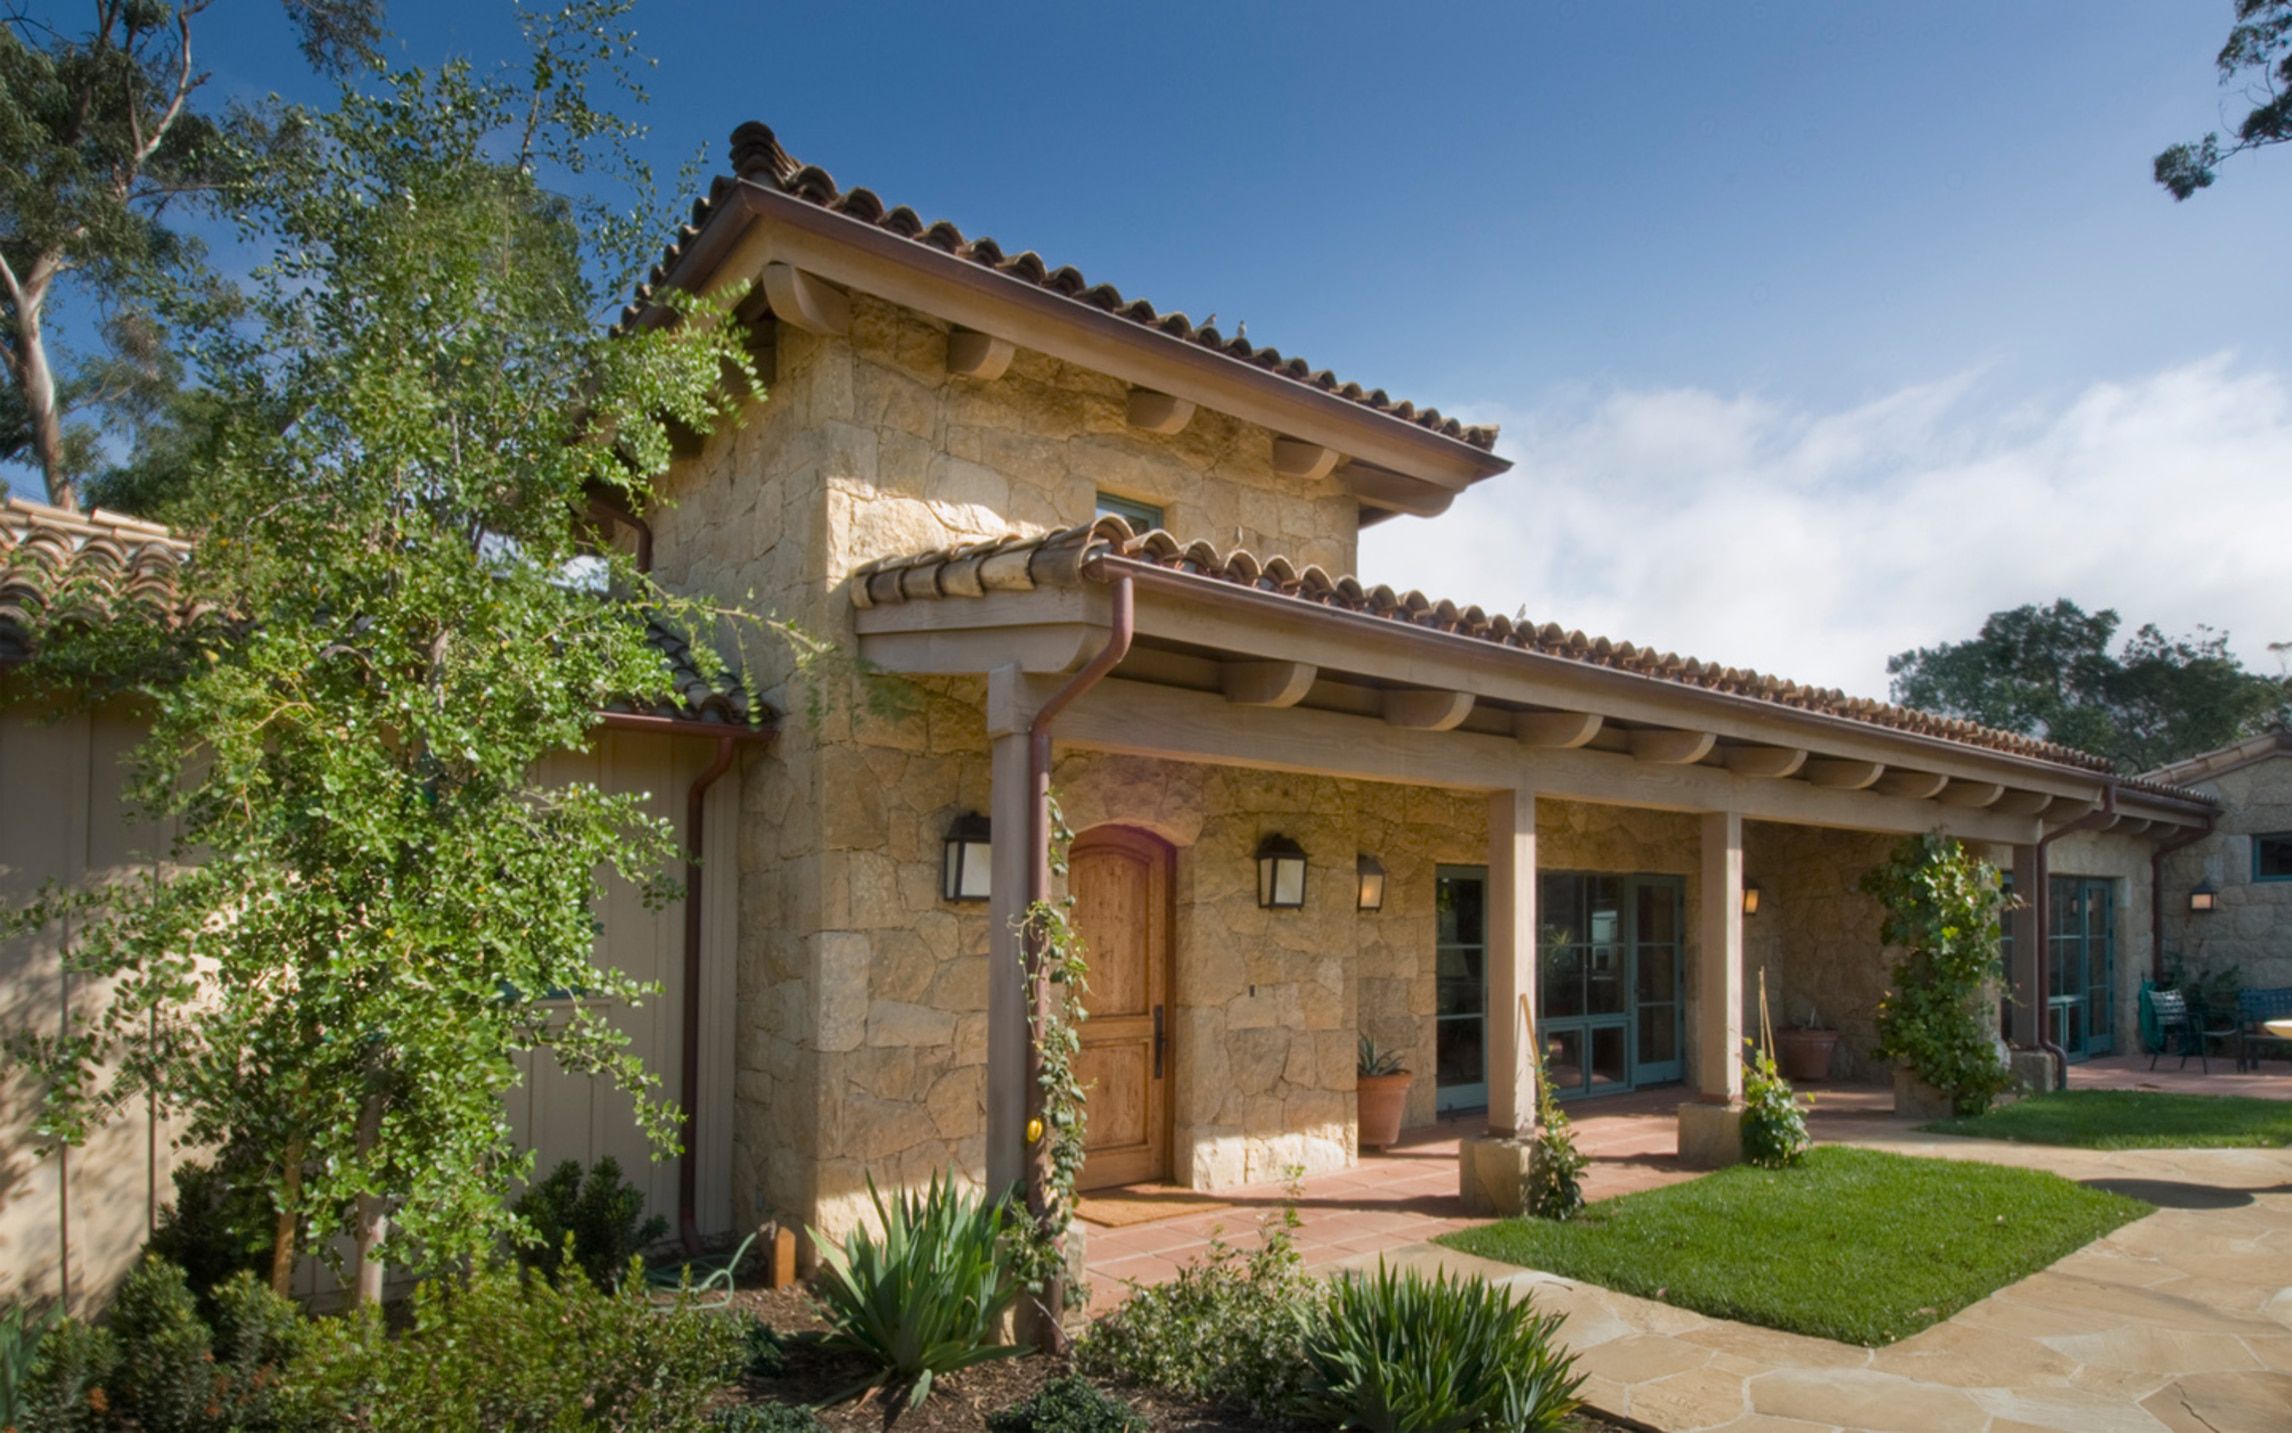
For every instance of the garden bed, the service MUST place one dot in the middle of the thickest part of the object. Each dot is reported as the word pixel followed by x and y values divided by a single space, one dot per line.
pixel 1851 1244
pixel 960 1402
pixel 2131 1119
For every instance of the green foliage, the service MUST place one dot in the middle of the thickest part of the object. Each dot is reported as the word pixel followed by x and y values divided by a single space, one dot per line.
pixel 503 1351
pixel 926 1297
pixel 764 1352
pixel 220 1223
pixel 765 1418
pixel 2210 991
pixel 1228 1329
pixel 1048 942
pixel 1555 1186
pixel 69 1387
pixel 375 884
pixel 21 1330
pixel 1774 1123
pixel 2049 672
pixel 1068 1403
pixel 599 1218
pixel 1396 1352
pixel 1373 1061
pixel 1854 1245
pixel 2258 53
pixel 2133 1119
pixel 164 1382
pixel 1942 905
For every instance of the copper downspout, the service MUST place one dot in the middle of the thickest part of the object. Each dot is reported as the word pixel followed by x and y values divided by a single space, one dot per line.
pixel 2157 856
pixel 2042 915
pixel 1038 890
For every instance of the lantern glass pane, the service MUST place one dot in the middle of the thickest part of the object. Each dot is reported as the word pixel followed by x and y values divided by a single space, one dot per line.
pixel 1372 890
pixel 1288 881
pixel 978 871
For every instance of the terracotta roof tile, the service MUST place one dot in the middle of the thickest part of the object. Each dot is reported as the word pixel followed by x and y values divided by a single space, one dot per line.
pixel 105 566
pixel 757 158
pixel 1061 559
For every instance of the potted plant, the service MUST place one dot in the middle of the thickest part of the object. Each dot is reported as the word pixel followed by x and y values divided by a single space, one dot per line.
pixel 1384 1090
pixel 1804 1050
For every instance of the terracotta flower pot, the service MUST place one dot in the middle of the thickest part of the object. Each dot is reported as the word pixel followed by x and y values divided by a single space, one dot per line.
pixel 1383 1097
pixel 1805 1054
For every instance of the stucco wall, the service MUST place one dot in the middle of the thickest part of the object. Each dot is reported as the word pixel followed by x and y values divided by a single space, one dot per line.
pixel 2250 928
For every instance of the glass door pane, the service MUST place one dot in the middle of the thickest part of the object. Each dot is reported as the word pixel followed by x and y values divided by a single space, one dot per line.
pixel 1460 989
pixel 1658 957
pixel 2100 966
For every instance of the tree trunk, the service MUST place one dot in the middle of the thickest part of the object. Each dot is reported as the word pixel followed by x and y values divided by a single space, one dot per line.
pixel 39 385
pixel 373 1225
pixel 282 1234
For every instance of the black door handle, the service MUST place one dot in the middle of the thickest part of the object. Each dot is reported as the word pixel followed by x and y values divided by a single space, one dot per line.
pixel 1158 1042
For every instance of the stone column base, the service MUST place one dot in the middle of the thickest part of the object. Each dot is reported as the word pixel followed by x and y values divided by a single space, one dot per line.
pixel 1492 1173
pixel 1710 1136
pixel 2032 1071
pixel 1916 1100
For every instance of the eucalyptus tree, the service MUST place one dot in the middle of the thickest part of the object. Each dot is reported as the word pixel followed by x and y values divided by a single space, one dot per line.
pixel 377 891
pixel 2257 54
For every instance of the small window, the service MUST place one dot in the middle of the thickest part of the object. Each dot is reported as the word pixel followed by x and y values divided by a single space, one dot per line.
pixel 2272 856
pixel 1142 517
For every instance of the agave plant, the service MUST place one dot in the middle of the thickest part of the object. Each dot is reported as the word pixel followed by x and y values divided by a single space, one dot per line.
pixel 1396 1352
pixel 924 1299
pixel 20 1333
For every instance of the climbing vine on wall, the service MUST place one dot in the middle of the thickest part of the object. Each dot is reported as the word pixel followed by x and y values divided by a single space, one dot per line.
pixel 1047 934
pixel 1942 904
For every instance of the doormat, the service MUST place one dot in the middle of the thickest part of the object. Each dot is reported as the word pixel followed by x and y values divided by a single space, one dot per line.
pixel 1128 1204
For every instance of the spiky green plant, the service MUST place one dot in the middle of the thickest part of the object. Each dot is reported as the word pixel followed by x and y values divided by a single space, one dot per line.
pixel 1396 1352
pixel 20 1333
pixel 924 1299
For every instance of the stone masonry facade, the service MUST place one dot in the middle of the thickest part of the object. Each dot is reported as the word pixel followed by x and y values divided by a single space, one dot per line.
pixel 2245 931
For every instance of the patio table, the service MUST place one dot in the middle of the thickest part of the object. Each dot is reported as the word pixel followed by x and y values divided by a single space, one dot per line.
pixel 2281 1029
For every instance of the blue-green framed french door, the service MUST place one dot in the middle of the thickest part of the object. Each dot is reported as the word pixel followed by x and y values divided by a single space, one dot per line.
pixel 2081 974
pixel 1611 959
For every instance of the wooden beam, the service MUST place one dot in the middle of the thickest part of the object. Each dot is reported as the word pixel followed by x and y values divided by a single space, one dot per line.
pixel 1917 785
pixel 804 301
pixel 2022 803
pixel 1266 684
pixel 1764 762
pixel 1671 748
pixel 1563 730
pixel 1159 412
pixel 1973 795
pixel 983 356
pixel 1834 775
pixel 1296 458
pixel 1419 709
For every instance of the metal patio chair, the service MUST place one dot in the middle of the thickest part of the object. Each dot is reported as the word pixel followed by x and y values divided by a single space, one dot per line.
pixel 2176 1019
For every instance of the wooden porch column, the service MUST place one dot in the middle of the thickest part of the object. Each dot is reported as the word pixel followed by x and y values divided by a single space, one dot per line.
pixel 2028 950
pixel 1010 709
pixel 1512 963
pixel 1719 963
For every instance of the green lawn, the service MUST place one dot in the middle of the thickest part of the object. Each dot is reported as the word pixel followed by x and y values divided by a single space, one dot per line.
pixel 1852 1244
pixel 2132 1119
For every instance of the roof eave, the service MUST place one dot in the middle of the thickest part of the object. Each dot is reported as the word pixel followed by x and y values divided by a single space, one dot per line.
pixel 752 225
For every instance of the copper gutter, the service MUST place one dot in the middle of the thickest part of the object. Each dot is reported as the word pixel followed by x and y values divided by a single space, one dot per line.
pixel 1125 626
pixel 2157 856
pixel 2042 920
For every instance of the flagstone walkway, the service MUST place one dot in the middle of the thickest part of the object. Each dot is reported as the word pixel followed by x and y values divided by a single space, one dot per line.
pixel 2180 1322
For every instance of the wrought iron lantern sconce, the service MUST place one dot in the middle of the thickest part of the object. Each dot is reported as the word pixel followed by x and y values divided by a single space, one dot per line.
pixel 1372 873
pixel 1280 874
pixel 2203 898
pixel 967 873
pixel 1750 898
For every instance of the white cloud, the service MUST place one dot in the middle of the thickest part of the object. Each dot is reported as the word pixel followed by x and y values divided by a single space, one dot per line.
pixel 1814 545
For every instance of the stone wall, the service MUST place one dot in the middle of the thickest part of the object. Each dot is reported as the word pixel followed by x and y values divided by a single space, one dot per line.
pixel 2250 928
pixel 1816 936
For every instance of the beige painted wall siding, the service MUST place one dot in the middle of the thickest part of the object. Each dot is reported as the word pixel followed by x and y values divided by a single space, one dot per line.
pixel 62 818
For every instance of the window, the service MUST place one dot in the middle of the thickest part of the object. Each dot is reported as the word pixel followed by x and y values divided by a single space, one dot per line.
pixel 2272 856
pixel 1142 517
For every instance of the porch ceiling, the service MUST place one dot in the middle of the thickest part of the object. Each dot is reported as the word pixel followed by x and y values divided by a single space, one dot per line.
pixel 1239 674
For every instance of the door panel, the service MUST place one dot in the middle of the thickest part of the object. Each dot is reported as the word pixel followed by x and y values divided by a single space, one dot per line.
pixel 1460 1029
pixel 1120 881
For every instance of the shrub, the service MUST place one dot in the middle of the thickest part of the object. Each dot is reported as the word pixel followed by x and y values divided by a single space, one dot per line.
pixel 1555 1186
pixel 166 1381
pixel 220 1223
pixel 1774 1123
pixel 69 1387
pixel 926 1298
pixel 20 1333
pixel 501 1350
pixel 602 1215
pixel 259 1338
pixel 1397 1351
pixel 764 1354
pixel 1942 905
pixel 1227 1329
pixel 765 1418
pixel 1069 1403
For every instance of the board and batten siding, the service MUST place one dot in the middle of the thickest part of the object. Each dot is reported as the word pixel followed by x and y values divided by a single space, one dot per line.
pixel 63 818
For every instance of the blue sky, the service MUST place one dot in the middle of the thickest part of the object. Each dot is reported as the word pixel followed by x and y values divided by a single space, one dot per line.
pixel 1871 309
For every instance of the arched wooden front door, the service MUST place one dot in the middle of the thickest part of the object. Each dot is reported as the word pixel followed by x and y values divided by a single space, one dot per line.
pixel 1120 880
